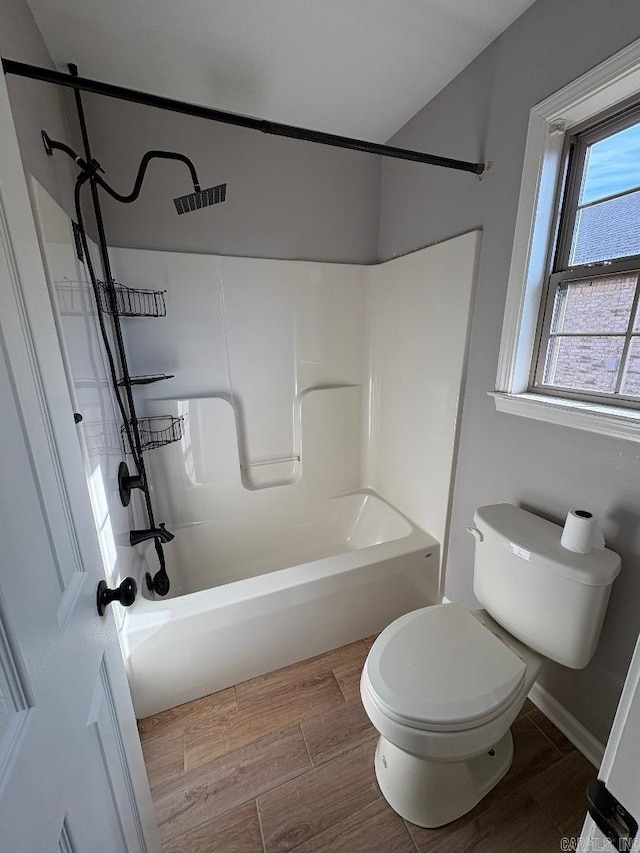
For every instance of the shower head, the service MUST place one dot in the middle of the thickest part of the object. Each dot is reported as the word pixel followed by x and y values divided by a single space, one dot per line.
pixel 200 198
pixel 184 204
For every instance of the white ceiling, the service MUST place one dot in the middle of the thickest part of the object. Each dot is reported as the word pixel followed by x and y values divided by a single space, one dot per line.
pixel 355 67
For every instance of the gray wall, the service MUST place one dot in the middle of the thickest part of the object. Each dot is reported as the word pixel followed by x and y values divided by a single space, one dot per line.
pixel 294 200
pixel 285 198
pixel 483 114
pixel 35 106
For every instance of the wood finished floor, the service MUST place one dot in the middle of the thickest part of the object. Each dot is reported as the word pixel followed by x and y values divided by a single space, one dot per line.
pixel 284 762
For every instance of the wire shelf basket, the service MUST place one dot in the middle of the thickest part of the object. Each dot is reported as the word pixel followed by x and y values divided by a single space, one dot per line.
pixel 159 430
pixel 102 439
pixel 132 301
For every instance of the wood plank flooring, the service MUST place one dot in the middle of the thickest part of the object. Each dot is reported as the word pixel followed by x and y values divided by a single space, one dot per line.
pixel 284 762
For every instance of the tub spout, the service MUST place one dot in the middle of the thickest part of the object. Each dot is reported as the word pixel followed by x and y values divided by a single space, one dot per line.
pixel 138 536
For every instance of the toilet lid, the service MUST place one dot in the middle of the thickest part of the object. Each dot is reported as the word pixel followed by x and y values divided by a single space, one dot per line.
pixel 440 667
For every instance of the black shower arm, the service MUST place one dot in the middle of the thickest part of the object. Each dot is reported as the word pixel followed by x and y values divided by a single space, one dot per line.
pixel 142 168
pixel 91 169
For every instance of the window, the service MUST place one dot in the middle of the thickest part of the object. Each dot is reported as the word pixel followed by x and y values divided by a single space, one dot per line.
pixel 589 328
pixel 570 345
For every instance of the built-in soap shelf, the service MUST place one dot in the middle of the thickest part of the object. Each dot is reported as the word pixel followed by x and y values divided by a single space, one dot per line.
pixel 283 470
pixel 210 471
pixel 323 417
pixel 272 461
pixel 266 473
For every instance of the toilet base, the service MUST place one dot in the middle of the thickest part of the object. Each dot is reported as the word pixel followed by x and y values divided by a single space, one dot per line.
pixel 432 793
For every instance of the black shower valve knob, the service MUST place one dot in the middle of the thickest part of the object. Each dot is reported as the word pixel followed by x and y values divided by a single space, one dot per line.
pixel 127 482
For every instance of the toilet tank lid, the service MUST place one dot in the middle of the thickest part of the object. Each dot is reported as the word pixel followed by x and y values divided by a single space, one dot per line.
pixel 537 540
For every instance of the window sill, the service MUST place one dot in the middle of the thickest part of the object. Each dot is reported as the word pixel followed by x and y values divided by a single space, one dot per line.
pixel 606 420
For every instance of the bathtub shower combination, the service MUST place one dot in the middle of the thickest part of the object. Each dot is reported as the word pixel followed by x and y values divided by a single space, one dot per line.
pixel 308 486
pixel 301 457
pixel 299 492
pixel 252 594
pixel 309 494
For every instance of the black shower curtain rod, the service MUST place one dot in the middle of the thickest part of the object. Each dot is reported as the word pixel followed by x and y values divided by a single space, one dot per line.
pixel 122 93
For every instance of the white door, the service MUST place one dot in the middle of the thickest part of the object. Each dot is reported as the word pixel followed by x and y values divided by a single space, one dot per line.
pixel 72 776
pixel 620 770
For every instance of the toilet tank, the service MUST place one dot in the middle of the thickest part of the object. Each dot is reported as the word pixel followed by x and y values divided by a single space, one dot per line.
pixel 550 598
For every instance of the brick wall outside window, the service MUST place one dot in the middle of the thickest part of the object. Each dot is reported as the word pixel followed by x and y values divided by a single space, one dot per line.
pixel 592 363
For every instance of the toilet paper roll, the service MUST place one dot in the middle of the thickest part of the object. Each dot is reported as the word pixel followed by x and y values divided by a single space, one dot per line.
pixel 581 532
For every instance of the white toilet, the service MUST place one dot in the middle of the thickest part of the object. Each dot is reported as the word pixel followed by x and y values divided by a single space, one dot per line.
pixel 442 685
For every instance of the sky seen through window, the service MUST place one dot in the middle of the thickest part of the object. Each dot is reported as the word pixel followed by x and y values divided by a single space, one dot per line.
pixel 612 165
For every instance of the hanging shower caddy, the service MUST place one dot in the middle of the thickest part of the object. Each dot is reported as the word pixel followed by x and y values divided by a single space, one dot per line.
pixel 118 301
pixel 142 434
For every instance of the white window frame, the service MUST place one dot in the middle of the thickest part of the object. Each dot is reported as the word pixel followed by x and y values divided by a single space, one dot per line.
pixel 608 84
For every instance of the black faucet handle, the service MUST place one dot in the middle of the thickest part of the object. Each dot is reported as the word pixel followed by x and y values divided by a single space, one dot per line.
pixel 167 535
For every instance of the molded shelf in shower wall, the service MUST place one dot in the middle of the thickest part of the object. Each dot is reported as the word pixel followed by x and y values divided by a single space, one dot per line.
pixel 210 460
pixel 287 470
pixel 266 473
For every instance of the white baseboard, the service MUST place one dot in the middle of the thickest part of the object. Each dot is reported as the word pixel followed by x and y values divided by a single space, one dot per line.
pixel 582 739
pixel 446 600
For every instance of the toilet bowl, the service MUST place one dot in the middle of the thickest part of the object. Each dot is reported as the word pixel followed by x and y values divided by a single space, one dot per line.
pixel 443 684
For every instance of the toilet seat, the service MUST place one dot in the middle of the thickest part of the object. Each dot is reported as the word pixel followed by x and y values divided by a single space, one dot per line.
pixel 439 669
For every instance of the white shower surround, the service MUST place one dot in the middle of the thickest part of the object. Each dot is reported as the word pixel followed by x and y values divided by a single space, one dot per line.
pixel 334 381
pixel 300 382
pixel 267 335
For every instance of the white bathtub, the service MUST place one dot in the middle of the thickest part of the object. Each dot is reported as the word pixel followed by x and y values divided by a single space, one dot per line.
pixel 251 594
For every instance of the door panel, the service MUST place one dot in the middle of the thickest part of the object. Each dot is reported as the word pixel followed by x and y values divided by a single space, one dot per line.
pixel 620 769
pixel 72 776
pixel 14 698
pixel 114 819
